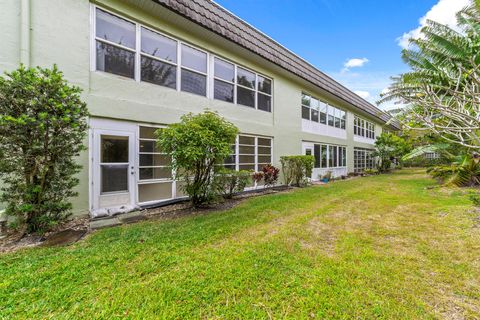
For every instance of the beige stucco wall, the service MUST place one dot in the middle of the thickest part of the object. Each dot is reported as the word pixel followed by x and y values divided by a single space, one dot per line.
pixel 60 34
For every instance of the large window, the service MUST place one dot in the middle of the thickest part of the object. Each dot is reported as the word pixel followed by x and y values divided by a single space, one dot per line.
pixel 363 159
pixel 155 171
pixel 131 50
pixel 250 153
pixel 363 128
pixel 246 88
pixel 329 156
pixel 318 111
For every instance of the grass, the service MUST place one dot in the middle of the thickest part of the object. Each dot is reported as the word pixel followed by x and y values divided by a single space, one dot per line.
pixel 378 247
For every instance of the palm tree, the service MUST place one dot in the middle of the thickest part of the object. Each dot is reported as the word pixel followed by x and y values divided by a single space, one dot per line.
pixel 442 91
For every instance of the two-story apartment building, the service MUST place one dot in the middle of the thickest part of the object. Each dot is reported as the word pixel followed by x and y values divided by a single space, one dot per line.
pixel 144 63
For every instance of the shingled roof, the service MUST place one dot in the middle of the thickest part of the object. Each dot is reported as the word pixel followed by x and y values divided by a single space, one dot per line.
pixel 217 19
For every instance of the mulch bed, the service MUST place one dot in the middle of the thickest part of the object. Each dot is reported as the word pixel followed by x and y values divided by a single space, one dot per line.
pixel 77 228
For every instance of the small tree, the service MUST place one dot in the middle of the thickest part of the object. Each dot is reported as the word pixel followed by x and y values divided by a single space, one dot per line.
pixel 43 124
pixel 388 147
pixel 196 144
pixel 297 169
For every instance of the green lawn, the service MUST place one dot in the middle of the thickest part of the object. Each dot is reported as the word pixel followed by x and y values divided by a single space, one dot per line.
pixel 377 247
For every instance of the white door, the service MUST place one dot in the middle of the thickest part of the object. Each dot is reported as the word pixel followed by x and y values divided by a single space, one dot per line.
pixel 113 175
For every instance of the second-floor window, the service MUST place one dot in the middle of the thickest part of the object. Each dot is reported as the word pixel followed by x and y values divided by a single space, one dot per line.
pixel 131 50
pixel 318 111
pixel 236 84
pixel 363 128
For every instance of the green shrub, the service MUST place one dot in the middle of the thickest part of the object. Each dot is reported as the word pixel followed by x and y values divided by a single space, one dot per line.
pixel 475 198
pixel 197 143
pixel 297 169
pixel 371 171
pixel 228 182
pixel 43 124
pixel 464 172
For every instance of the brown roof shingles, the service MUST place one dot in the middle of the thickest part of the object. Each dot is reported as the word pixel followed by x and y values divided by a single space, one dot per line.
pixel 213 17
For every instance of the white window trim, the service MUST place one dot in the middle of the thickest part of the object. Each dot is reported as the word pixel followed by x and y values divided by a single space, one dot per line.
pixel 210 78
pixel 235 84
pixel 339 147
pixel 331 110
pixel 360 123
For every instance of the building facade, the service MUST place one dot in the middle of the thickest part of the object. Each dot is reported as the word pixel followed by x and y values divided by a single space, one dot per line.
pixel 143 64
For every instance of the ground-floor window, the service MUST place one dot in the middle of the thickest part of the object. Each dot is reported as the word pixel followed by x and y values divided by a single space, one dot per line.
pixel 329 156
pixel 155 177
pixel 250 152
pixel 363 159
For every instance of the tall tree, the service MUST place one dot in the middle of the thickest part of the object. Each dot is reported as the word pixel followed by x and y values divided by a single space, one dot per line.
pixel 442 92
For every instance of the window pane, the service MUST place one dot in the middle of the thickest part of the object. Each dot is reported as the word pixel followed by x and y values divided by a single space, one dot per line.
pixel 155 173
pixel 223 91
pixel 229 160
pixel 224 70
pixel 245 78
pixel 264 150
pixel 324 156
pixel 154 191
pixel 154 160
pixel 331 110
pixel 264 159
pixel 323 118
pixel 264 85
pixel 158 72
pixel 246 97
pixel 148 132
pixel 115 29
pixel 264 102
pixel 246 150
pixel 194 59
pixel 114 149
pixel 342 124
pixel 148 146
pixel 114 178
pixel 246 140
pixel 316 154
pixel 337 122
pixel 194 83
pixel 159 46
pixel 115 60
pixel 314 115
pixel 247 167
pixel 246 159
pixel 306 99
pixel 323 107
pixel 306 113
pixel 331 120
pixel 264 142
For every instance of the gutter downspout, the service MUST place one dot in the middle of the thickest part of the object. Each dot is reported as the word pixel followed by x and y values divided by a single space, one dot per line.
pixel 25 33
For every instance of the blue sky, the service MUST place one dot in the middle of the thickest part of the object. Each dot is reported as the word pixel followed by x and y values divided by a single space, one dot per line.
pixel 329 33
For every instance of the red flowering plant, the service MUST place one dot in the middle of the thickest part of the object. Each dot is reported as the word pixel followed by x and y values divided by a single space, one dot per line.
pixel 270 175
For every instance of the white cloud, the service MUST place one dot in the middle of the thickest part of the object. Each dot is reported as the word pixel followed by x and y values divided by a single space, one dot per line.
pixel 354 63
pixel 363 94
pixel 443 12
